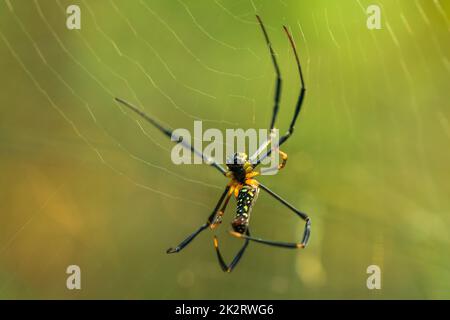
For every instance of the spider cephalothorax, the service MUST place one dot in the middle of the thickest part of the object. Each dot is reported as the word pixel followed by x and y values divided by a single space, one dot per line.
pixel 241 172
pixel 239 167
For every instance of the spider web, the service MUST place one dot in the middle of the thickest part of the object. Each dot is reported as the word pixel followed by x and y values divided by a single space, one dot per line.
pixel 187 61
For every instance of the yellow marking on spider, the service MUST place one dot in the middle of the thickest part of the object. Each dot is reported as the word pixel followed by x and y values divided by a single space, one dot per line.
pixel 215 224
pixel 216 242
pixel 237 189
pixel 236 234
pixel 232 186
pixel 284 158
pixel 251 174
pixel 252 182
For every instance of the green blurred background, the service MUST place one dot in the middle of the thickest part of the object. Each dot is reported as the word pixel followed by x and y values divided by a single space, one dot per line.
pixel 82 182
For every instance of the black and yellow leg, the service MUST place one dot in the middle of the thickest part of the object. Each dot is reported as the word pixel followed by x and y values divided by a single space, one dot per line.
pixel 218 218
pixel 192 236
pixel 289 245
pixel 236 259
pixel 300 99
pixel 284 158
pixel 171 135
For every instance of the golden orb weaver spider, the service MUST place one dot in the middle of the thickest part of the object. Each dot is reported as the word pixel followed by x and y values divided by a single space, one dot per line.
pixel 241 172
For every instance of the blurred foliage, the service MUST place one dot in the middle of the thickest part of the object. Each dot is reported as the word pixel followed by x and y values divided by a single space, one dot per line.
pixel 82 183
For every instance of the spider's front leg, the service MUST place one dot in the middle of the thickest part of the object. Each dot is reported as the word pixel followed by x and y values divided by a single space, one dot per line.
pixel 284 158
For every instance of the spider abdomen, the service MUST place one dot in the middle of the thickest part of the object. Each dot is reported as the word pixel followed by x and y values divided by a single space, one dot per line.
pixel 245 201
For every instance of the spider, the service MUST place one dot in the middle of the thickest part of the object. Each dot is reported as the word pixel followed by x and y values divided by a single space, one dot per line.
pixel 241 172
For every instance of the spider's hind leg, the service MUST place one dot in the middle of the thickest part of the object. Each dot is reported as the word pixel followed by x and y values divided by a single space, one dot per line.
pixel 281 244
pixel 236 259
pixel 292 245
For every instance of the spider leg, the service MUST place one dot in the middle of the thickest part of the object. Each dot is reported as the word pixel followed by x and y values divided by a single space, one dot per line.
pixel 298 106
pixel 204 226
pixel 218 219
pixel 236 259
pixel 293 245
pixel 289 245
pixel 277 71
pixel 169 132
pixel 302 90
pixel 284 158
pixel 278 86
